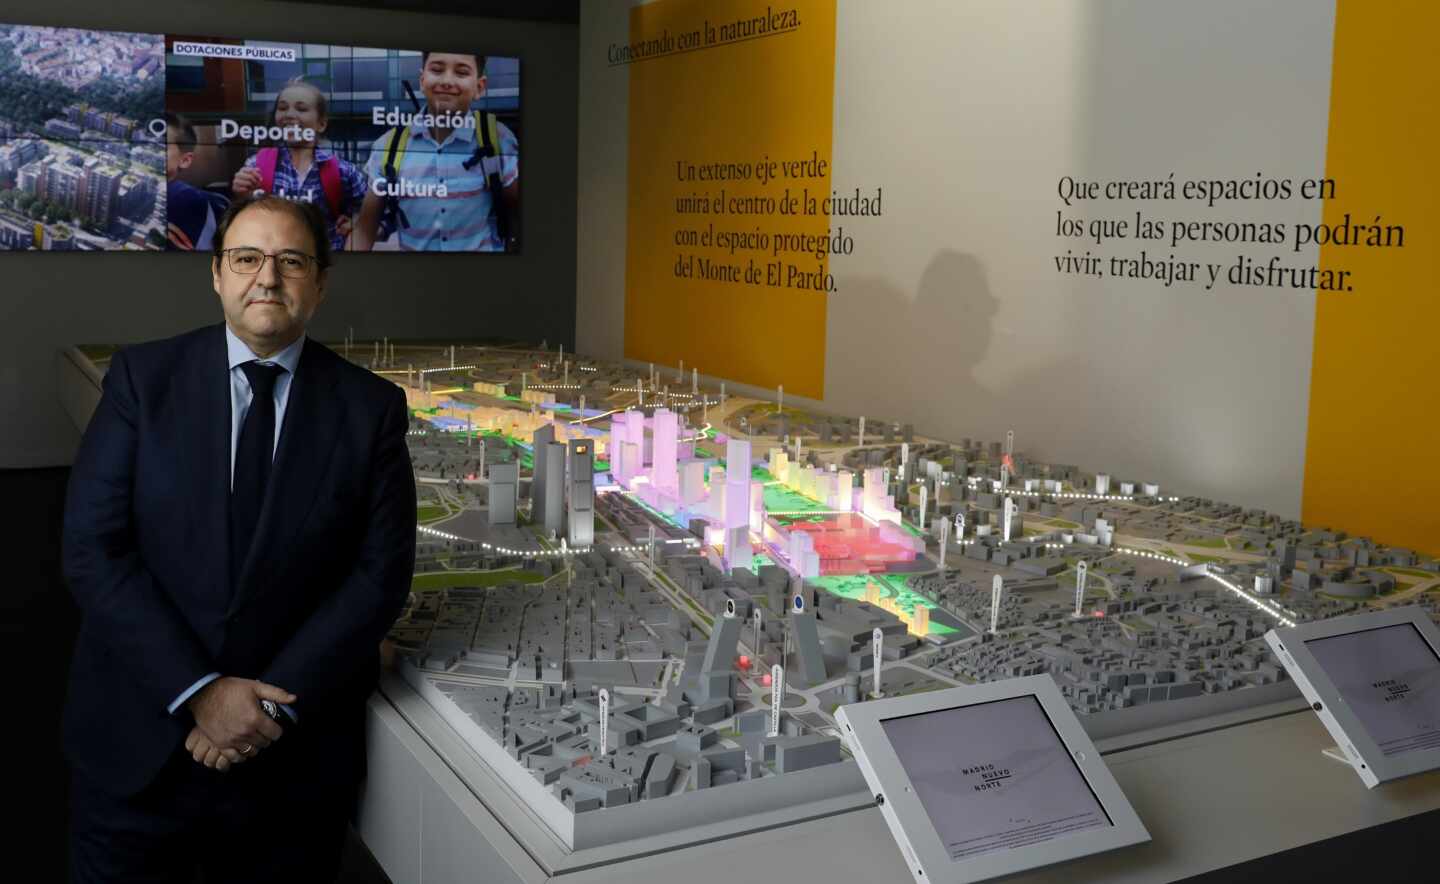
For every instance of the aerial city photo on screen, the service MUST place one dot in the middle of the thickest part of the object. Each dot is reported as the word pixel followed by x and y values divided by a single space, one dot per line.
pixel 82 143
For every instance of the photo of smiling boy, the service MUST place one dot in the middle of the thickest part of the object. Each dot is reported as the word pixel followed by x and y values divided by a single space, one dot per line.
pixel 445 178
pixel 299 169
pixel 191 213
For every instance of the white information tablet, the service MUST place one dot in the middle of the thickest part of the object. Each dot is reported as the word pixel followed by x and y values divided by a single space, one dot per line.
pixel 987 780
pixel 1374 680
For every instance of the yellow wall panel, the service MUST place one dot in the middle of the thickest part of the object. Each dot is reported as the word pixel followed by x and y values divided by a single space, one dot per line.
pixel 1374 420
pixel 768 95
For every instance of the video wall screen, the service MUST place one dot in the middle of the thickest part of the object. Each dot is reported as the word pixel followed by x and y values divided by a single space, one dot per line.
pixel 116 141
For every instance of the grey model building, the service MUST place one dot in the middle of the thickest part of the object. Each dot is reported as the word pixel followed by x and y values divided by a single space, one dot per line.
pixel 580 494
pixel 547 487
pixel 799 753
pixel 811 670
pixel 504 485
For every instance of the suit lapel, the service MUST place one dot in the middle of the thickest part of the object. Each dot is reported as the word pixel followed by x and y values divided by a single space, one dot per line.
pixel 313 416
pixel 204 402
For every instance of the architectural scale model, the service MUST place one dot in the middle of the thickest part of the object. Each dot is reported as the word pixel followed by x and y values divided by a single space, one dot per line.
pixel 587 526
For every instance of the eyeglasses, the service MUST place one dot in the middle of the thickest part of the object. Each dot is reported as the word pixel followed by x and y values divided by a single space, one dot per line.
pixel 247 260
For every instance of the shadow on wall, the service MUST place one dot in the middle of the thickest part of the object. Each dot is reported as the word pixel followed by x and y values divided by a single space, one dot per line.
pixel 902 351
pixel 916 359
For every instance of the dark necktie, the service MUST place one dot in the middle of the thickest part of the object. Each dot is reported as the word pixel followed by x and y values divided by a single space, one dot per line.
pixel 253 455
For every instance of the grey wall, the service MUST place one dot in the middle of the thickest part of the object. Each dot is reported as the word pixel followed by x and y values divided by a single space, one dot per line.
pixel 49 301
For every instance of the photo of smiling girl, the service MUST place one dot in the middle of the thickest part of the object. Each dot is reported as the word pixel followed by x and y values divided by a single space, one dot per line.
pixel 299 169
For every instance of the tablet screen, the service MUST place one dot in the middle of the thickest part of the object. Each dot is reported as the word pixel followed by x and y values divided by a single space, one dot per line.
pixel 993 776
pixel 1390 678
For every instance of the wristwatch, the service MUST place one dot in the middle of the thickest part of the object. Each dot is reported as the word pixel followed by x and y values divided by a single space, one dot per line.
pixel 273 710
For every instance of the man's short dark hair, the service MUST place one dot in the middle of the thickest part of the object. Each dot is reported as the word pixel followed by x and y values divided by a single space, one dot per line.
pixel 180 132
pixel 479 59
pixel 307 213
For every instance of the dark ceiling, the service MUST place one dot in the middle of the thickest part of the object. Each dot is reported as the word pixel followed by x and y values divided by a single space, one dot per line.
pixel 558 11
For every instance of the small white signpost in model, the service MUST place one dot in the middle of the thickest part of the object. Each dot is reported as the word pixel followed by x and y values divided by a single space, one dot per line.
pixel 604 721
pixel 777 697
pixel 756 617
pixel 997 588
pixel 1080 571
pixel 944 539
pixel 877 640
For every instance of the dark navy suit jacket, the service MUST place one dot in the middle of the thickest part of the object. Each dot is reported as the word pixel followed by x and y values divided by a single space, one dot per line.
pixel 147 546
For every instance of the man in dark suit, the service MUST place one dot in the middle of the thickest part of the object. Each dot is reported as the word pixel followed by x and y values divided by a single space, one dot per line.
pixel 240 535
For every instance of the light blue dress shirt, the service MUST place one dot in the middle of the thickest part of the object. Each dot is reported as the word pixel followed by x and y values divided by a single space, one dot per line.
pixel 240 397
